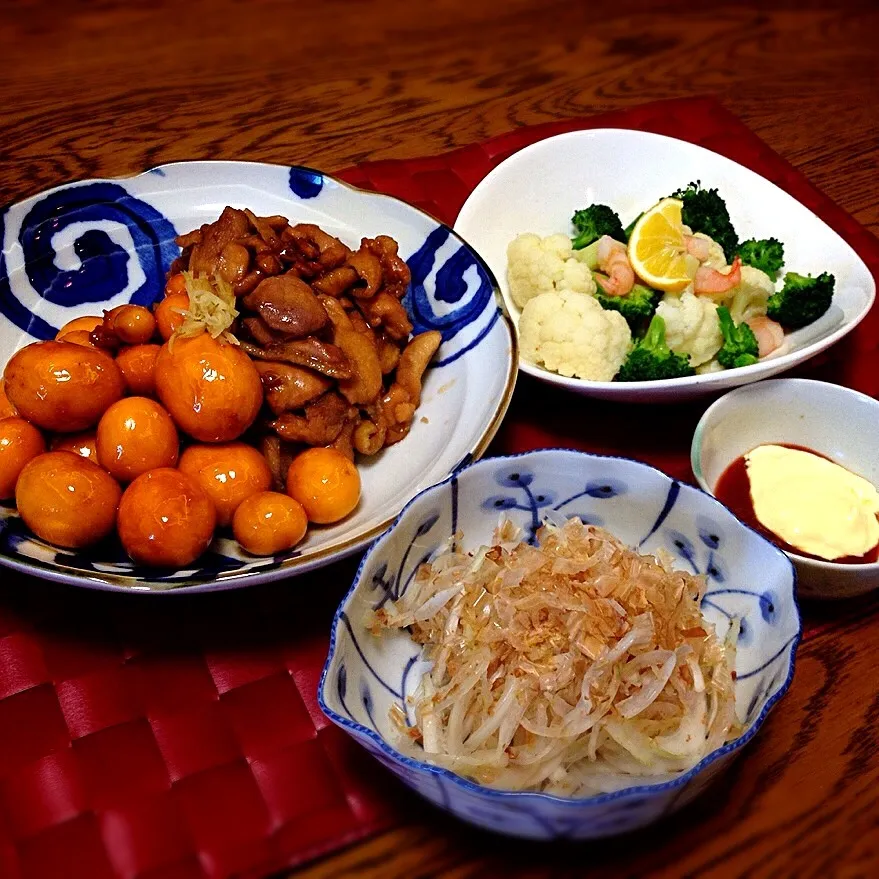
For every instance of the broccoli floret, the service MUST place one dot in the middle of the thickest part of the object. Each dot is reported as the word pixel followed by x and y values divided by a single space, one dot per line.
pixel 802 299
pixel 651 359
pixel 705 211
pixel 766 255
pixel 593 222
pixel 739 342
pixel 637 306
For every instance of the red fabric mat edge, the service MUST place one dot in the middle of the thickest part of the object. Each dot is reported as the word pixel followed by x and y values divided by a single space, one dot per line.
pixel 88 689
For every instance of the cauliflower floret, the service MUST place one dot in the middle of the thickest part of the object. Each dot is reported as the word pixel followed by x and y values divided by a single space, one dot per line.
pixel 709 367
pixel 571 334
pixel 577 277
pixel 691 326
pixel 716 258
pixel 749 297
pixel 538 265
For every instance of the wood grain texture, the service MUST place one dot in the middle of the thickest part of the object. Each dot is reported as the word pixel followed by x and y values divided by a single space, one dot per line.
pixel 108 89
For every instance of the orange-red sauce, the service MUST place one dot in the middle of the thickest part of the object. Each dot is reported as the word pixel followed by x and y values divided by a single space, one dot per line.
pixel 734 490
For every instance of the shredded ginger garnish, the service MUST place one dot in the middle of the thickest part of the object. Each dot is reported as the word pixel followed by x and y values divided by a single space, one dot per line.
pixel 573 667
pixel 211 307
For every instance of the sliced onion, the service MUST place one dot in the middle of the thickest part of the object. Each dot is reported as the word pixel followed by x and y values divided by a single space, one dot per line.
pixel 646 696
pixel 560 667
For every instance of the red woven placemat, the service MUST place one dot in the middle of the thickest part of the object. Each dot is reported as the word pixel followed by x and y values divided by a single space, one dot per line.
pixel 179 737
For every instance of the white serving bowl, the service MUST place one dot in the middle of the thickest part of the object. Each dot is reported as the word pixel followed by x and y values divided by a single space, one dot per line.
pixel 87 246
pixel 747 576
pixel 837 422
pixel 538 189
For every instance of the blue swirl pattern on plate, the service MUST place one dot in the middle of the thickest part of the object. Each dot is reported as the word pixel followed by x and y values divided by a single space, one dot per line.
pixel 87 246
pixel 644 508
pixel 449 294
pixel 91 212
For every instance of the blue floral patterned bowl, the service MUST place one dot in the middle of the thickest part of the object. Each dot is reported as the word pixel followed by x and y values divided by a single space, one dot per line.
pixel 748 578
pixel 96 244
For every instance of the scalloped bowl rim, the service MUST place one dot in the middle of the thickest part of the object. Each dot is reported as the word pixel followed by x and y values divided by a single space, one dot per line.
pixel 594 799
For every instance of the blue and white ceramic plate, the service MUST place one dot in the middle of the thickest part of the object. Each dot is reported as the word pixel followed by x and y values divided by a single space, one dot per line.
pixel 86 246
pixel 748 578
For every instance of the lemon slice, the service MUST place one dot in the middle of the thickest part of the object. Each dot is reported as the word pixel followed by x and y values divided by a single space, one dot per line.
pixel 657 249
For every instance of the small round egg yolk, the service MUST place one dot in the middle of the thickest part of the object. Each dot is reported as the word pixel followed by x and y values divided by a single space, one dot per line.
pixel 83 444
pixel 131 324
pixel 228 472
pixel 138 365
pixel 169 313
pixel 175 284
pixel 268 523
pixel 80 337
pixel 165 519
pixel 62 387
pixel 135 435
pixel 67 500
pixel 20 442
pixel 6 408
pixel 79 325
pixel 210 387
pixel 325 482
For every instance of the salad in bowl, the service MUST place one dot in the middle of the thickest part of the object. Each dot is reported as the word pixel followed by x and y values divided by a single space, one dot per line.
pixel 627 282
pixel 674 293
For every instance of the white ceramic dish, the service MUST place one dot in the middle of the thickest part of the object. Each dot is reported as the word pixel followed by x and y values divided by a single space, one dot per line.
pixel 835 421
pixel 77 249
pixel 538 189
pixel 747 578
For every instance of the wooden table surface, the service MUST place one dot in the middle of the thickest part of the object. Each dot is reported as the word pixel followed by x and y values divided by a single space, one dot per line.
pixel 110 88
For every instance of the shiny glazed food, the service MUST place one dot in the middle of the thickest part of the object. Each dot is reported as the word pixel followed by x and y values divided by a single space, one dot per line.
pixel 138 365
pixel 6 408
pixel 135 435
pixel 165 519
pixel 324 324
pixel 62 387
pixel 269 522
pixel 84 444
pixel 78 325
pixel 67 500
pixel 20 441
pixel 277 355
pixel 229 473
pixel 325 483
pixel 210 387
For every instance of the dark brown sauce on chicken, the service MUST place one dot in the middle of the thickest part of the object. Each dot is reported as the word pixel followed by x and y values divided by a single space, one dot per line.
pixel 733 489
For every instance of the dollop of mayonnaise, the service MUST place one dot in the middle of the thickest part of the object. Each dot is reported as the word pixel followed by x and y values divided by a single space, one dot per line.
pixel 811 503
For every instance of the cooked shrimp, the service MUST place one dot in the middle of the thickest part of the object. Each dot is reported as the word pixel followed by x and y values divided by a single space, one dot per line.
pixel 698 247
pixel 614 261
pixel 769 333
pixel 714 284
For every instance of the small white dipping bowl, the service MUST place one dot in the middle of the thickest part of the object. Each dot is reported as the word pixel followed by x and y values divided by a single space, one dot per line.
pixel 837 422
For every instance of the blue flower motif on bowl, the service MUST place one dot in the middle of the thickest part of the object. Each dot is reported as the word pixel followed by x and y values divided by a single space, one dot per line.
pixel 643 507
